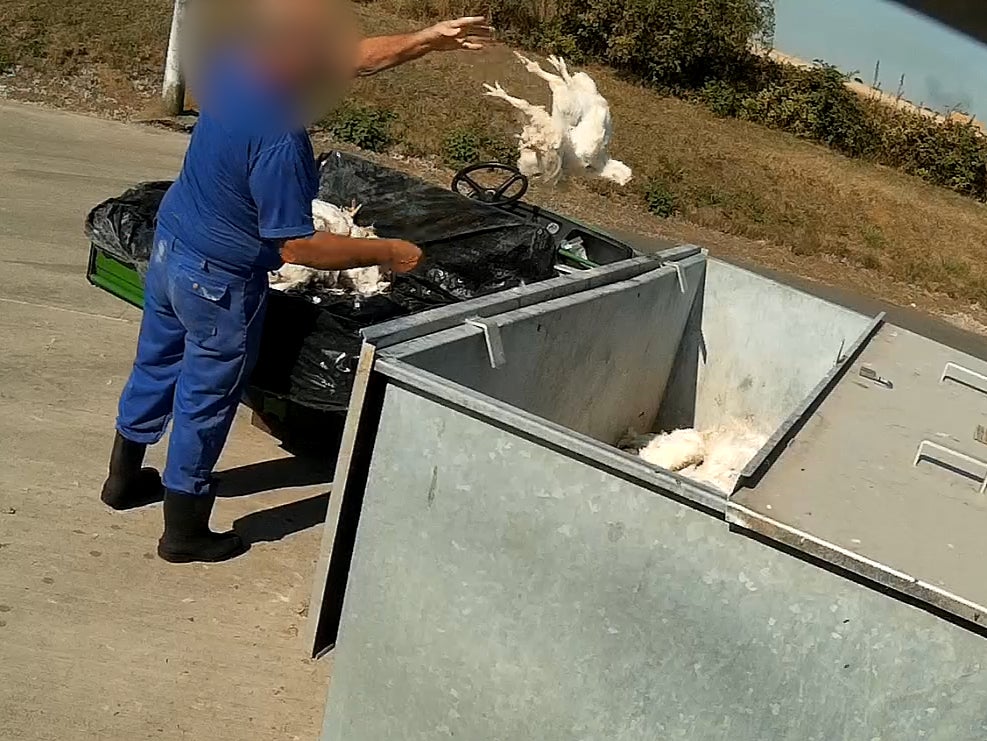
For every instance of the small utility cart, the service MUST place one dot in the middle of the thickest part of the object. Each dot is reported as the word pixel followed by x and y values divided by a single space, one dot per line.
pixel 479 237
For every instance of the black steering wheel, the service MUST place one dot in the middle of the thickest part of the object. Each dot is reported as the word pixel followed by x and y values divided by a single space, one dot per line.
pixel 511 190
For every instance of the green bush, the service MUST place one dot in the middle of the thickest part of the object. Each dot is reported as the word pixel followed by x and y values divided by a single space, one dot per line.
pixel 466 146
pixel 366 127
pixel 815 103
pixel 668 43
pixel 721 98
pixel 659 198
pixel 952 154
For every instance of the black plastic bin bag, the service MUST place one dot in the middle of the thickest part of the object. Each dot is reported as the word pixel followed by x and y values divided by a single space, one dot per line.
pixel 312 337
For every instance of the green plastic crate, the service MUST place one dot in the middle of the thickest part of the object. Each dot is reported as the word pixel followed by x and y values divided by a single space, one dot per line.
pixel 115 277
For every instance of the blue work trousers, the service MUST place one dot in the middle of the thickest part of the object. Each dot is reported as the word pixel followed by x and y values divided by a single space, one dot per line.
pixel 198 343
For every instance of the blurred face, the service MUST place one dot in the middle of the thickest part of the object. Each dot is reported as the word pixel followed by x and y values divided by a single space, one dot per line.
pixel 307 44
pixel 307 47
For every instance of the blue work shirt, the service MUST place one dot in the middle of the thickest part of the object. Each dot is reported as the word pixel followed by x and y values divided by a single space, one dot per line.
pixel 249 174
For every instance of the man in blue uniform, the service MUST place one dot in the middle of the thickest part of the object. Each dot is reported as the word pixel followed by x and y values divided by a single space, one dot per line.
pixel 240 207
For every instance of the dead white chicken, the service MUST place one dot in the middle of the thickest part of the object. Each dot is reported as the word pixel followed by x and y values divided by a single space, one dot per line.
pixel 540 142
pixel 328 217
pixel 715 456
pixel 729 448
pixel 290 276
pixel 672 451
pixel 575 138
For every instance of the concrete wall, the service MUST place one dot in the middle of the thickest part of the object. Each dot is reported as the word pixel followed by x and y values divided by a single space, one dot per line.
pixel 752 351
pixel 501 590
pixel 596 362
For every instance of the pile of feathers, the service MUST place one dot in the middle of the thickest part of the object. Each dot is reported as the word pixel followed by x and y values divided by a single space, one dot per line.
pixel 715 456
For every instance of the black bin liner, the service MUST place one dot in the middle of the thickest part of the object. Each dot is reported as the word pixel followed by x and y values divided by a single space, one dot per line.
pixel 123 227
pixel 470 248
pixel 311 339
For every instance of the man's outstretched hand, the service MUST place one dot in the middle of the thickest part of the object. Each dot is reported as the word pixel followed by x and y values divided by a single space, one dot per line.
pixel 383 52
pixel 470 33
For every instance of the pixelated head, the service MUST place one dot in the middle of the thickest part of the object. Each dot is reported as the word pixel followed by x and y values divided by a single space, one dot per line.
pixel 308 42
pixel 307 47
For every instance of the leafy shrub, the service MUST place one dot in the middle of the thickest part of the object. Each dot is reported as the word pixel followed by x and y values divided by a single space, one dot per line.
pixel 659 198
pixel 665 42
pixel 815 103
pixel 466 146
pixel 952 154
pixel 721 98
pixel 668 43
pixel 366 127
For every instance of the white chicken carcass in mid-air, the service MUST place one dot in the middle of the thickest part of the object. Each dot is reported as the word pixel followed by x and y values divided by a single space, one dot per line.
pixel 575 138
pixel 328 217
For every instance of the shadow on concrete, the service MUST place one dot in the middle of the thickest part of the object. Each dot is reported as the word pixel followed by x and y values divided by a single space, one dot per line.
pixel 279 473
pixel 276 523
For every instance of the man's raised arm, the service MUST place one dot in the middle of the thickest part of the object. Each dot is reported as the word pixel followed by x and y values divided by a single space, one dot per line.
pixel 378 53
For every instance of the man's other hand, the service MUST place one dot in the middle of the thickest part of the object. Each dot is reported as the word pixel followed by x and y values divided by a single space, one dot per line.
pixel 405 256
pixel 463 33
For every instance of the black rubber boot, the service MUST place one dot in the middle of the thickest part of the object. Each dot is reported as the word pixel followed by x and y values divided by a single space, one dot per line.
pixel 128 485
pixel 187 536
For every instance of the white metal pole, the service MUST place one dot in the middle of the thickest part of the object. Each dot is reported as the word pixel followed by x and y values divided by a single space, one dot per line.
pixel 173 89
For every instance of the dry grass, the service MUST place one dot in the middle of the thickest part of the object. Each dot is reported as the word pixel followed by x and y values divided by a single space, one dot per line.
pixel 517 11
pixel 727 175
pixel 92 55
pixel 63 37
pixel 747 191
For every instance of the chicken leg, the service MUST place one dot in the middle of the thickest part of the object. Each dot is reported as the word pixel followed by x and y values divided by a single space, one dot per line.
pixel 561 68
pixel 531 110
pixel 536 69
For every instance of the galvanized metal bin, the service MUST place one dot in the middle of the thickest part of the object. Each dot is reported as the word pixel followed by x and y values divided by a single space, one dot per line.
pixel 508 573
pixel 363 413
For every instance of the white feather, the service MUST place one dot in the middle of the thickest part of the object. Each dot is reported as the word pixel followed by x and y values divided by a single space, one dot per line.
pixel 715 456
pixel 575 138
pixel 328 217
pixel 674 450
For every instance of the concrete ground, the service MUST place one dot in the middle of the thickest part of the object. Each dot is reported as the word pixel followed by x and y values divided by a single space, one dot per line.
pixel 99 639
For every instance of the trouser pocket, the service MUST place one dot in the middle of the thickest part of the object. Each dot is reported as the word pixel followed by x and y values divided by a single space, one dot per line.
pixel 204 303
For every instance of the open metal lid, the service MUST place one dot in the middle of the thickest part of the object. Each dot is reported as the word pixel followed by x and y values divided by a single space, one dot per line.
pixel 887 477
